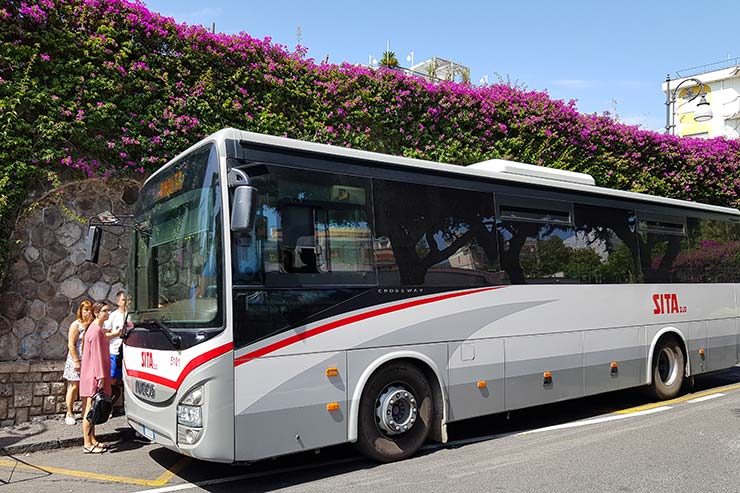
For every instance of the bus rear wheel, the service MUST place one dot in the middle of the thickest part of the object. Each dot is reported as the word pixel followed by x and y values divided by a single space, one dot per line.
pixel 668 369
pixel 395 413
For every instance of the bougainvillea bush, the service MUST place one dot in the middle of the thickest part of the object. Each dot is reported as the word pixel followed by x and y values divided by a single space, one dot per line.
pixel 106 87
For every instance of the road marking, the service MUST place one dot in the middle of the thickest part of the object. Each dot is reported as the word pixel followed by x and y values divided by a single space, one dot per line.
pixel 594 421
pixel 677 400
pixel 254 475
pixel 706 398
pixel 162 480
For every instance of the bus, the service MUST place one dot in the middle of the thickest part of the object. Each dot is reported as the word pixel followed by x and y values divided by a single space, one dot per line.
pixel 289 296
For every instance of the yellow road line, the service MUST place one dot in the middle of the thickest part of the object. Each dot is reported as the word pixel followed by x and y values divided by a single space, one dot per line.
pixel 160 481
pixel 677 400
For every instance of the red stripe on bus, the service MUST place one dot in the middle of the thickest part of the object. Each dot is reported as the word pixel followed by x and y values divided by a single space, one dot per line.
pixel 349 320
pixel 192 365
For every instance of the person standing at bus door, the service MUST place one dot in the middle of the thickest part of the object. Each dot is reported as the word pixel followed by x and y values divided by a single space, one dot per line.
pixel 94 373
pixel 75 337
pixel 113 329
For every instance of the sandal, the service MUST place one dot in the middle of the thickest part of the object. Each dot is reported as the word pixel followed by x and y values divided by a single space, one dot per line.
pixel 95 449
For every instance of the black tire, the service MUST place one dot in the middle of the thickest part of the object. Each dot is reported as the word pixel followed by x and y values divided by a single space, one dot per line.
pixel 669 366
pixel 373 440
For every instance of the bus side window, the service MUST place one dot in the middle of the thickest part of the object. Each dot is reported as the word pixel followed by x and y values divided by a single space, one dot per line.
pixel 714 255
pixel 535 238
pixel 434 236
pixel 663 248
pixel 605 250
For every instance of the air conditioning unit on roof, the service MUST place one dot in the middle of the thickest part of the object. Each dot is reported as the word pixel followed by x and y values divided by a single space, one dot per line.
pixel 530 170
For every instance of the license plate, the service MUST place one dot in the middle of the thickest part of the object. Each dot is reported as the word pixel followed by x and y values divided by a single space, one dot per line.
pixel 147 432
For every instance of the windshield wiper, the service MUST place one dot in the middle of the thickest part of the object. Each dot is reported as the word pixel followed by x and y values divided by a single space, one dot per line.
pixel 152 325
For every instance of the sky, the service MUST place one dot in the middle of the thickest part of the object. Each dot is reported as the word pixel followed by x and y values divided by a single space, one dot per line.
pixel 608 56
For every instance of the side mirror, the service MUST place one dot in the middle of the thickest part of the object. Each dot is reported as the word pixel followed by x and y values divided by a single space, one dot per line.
pixel 242 208
pixel 92 244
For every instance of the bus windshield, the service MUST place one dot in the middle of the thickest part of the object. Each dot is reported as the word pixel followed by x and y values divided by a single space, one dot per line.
pixel 175 270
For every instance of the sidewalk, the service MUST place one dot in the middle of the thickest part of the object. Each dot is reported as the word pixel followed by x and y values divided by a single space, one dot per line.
pixel 53 433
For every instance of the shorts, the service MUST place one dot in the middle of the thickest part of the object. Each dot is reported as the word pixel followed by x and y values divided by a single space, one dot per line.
pixel 115 367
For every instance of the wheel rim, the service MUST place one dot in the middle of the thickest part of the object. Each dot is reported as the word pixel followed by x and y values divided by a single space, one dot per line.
pixel 668 366
pixel 396 409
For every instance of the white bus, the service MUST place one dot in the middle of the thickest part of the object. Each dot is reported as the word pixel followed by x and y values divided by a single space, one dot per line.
pixel 289 296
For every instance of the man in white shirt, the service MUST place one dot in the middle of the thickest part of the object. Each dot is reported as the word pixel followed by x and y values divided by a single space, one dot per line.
pixel 114 327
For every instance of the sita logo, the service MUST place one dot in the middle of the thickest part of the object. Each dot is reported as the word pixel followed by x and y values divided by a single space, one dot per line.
pixel 667 303
pixel 147 360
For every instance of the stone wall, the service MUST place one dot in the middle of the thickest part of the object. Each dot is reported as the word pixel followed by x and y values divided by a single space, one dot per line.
pixel 30 391
pixel 48 276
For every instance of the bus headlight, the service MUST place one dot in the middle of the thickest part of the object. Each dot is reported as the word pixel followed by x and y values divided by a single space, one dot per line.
pixel 189 416
pixel 189 411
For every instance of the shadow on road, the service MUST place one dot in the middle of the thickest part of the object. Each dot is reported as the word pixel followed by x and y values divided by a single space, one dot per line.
pixel 303 468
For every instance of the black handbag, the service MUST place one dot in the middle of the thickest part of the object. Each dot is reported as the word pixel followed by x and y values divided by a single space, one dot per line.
pixel 101 407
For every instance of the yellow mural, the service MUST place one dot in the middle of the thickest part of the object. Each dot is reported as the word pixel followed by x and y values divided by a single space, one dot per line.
pixel 686 125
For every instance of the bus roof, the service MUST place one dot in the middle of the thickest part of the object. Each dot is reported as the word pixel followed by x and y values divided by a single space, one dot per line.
pixel 479 170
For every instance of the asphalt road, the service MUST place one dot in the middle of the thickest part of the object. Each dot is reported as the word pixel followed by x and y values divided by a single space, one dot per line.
pixel 615 442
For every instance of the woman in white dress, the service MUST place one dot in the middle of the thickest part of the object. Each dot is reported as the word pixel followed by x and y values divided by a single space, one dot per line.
pixel 74 356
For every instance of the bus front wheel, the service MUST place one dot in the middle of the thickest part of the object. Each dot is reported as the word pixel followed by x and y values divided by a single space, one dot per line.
pixel 668 369
pixel 395 413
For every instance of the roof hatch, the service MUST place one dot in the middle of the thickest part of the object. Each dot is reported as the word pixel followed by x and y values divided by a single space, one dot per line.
pixel 522 169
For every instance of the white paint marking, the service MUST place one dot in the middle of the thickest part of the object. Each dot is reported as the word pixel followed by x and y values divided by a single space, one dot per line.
pixel 231 479
pixel 594 421
pixel 706 398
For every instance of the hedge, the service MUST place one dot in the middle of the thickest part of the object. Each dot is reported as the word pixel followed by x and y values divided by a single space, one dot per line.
pixel 107 87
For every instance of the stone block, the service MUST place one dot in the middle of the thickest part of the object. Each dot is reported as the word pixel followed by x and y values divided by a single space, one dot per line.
pixel 42 237
pixel 5 326
pixel 18 377
pixel 98 291
pixel 9 347
pixel 7 422
pixel 111 275
pixel 34 377
pixel 68 234
pixel 4 378
pixel 34 411
pixel 19 270
pixel 53 254
pixel 52 217
pixel 31 348
pixel 23 395
pixel 50 377
pixel 29 288
pixel 15 367
pixel 46 291
pixel 3 408
pixel 77 407
pixel 37 401
pixel 47 327
pixel 50 404
pixel 41 389
pixel 55 347
pixel 21 415
pixel 61 406
pixel 59 308
pixel 37 310
pixel 72 288
pixel 11 413
pixel 61 270
pixel 13 305
pixel 58 388
pixel 31 254
pixel 24 327
pixel 38 271
pixel 6 390
pixel 44 366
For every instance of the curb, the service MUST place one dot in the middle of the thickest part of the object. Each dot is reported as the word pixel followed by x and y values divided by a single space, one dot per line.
pixel 115 436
